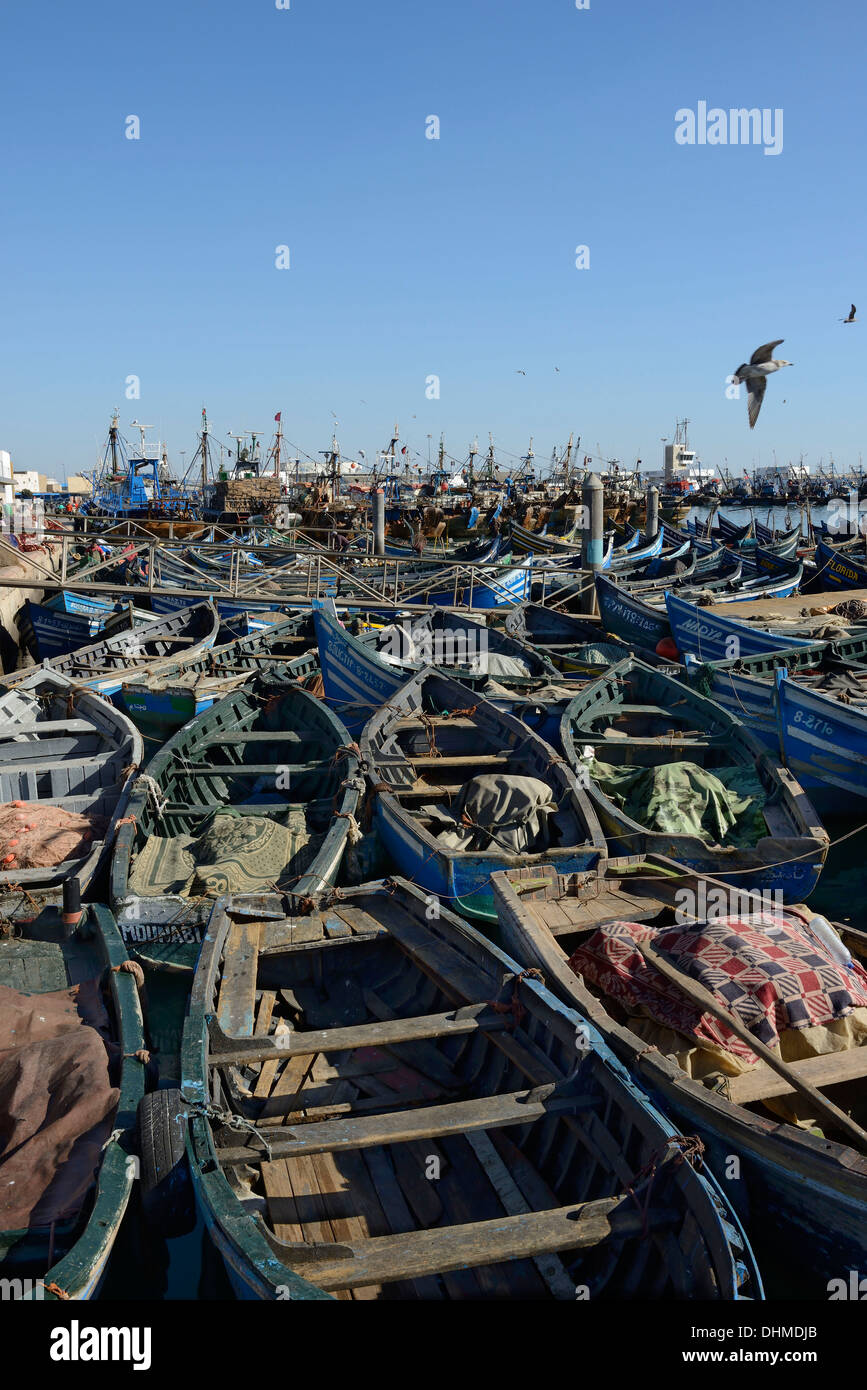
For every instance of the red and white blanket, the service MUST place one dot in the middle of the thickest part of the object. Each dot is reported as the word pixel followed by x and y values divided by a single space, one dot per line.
pixel 768 969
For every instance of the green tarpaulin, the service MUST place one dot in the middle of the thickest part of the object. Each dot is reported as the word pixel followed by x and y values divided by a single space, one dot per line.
pixel 681 798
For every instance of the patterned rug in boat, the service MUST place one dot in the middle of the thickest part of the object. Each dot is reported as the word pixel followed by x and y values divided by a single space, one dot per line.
pixel 232 854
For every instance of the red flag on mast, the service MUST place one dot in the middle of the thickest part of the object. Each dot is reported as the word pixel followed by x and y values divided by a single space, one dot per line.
pixel 279 415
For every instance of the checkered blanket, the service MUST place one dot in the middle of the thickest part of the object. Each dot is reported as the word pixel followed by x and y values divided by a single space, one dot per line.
pixel 767 968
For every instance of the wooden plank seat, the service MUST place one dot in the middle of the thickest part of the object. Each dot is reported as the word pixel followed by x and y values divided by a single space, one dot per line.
pixel 52 726
pixel 415 1254
pixel 831 1069
pixel 255 769
pixel 385 1033
pixel 468 760
pixel 398 1127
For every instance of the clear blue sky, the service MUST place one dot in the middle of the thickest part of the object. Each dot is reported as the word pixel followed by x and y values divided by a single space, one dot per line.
pixel 409 256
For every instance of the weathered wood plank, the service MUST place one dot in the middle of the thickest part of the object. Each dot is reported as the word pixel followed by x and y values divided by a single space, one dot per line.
pixel 458 1117
pixel 419 1253
pixel 832 1069
pixel 237 999
pixel 381 1034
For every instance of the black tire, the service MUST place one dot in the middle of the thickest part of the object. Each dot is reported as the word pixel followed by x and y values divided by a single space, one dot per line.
pixel 168 1203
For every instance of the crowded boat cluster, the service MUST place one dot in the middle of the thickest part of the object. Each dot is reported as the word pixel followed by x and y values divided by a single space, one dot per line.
pixel 414 887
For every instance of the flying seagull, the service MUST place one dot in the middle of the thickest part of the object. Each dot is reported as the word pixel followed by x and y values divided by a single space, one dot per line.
pixel 754 375
pixel 518 372
pixel 851 318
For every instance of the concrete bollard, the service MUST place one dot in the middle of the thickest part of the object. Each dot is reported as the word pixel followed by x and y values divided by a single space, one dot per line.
pixel 651 514
pixel 378 502
pixel 592 542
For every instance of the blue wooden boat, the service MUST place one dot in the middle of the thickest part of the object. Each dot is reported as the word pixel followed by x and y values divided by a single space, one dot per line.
pixel 825 738
pixel 630 618
pixel 168 695
pixel 436 745
pixel 417 1048
pixel 802 1194
pixel 712 637
pixel 639 717
pixel 573 644
pixel 838 570
pixel 358 679
pixel 639 554
pixel 487 589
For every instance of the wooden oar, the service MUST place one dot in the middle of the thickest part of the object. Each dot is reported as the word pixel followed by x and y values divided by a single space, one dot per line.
pixel 702 997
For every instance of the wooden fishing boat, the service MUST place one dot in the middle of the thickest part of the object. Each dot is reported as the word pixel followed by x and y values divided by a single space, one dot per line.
pixel 48 630
pixel 382 1104
pixel 464 788
pixel 818 740
pixel 65 751
pixel 630 618
pixel 358 679
pixel 670 772
pixel 164 698
pixel 710 636
pixel 838 570
pixel 572 644
pixel 262 787
pixel 66 1257
pixel 104 665
pixel 802 1195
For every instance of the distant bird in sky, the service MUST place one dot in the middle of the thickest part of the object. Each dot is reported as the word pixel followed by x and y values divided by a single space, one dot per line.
pixel 518 372
pixel 851 318
pixel 556 369
pixel 754 375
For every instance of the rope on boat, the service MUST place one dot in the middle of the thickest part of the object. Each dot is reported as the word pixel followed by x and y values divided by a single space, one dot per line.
pixel 160 801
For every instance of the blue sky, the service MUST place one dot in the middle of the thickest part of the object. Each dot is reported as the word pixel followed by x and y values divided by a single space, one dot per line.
pixel 411 257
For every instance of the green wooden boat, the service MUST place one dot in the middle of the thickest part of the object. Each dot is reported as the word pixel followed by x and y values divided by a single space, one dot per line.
pixel 258 793
pixel 45 956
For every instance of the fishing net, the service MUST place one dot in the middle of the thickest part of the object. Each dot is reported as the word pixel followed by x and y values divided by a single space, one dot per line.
pixel 680 798
pixel 233 853
pixel 37 836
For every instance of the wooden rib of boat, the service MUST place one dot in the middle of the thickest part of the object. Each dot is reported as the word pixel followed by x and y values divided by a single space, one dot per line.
pixel 358 679
pixel 637 716
pixel 61 746
pixel 803 1196
pixel 385 1106
pixel 425 751
pixel 270 752
pixel 45 956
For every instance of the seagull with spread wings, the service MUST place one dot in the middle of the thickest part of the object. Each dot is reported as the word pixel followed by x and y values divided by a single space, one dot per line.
pixel 754 375
pixel 851 318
